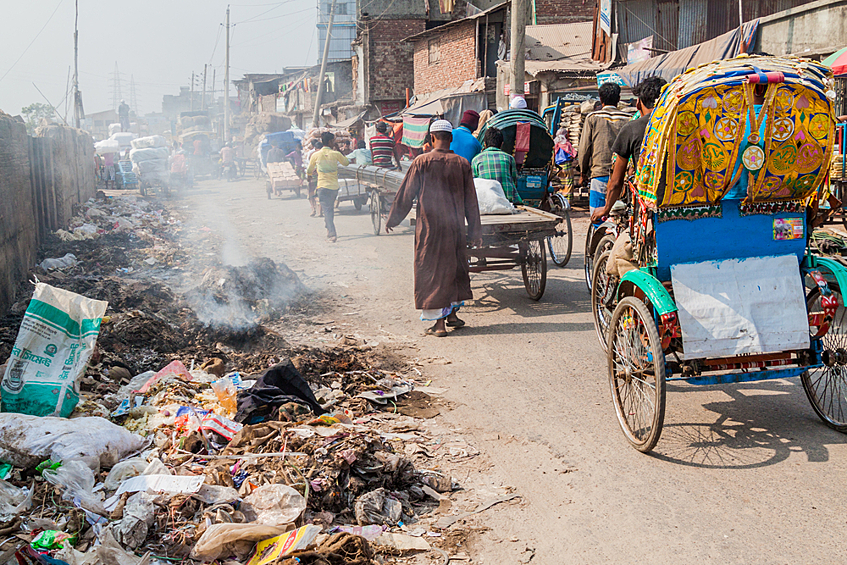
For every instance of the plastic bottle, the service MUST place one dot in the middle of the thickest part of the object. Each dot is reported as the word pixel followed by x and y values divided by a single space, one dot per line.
pixel 226 392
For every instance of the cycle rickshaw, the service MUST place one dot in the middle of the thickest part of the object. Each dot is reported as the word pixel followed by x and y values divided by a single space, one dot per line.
pixel 718 284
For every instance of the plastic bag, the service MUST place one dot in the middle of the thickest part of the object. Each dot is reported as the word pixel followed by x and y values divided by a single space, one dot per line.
pixel 55 342
pixel 131 530
pixel 109 552
pixel 274 505
pixel 491 198
pixel 224 540
pixel 149 141
pixel 77 482
pixel 26 441
pixel 149 154
pixel 69 260
pixel 13 500
pixel 270 550
pixel 376 507
pixel 124 470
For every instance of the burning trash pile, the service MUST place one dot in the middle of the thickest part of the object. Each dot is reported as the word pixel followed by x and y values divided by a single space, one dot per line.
pixel 133 432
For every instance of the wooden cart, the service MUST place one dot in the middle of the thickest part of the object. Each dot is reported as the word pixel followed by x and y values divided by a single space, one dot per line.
pixel 281 176
pixel 516 240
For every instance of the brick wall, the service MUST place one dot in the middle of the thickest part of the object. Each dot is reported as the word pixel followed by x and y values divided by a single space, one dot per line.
pixel 456 59
pixel 390 65
pixel 564 11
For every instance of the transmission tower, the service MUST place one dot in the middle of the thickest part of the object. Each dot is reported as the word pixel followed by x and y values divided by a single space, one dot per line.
pixel 133 99
pixel 115 82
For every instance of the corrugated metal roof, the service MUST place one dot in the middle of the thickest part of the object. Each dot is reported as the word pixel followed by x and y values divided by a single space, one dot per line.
pixel 438 30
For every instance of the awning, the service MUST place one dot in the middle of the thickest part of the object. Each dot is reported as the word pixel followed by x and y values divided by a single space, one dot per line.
pixel 450 103
pixel 670 65
pixel 344 124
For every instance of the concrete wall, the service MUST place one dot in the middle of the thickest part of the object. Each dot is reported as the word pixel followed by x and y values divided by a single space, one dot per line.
pixel 41 180
pixel 818 28
pixel 456 62
pixel 18 229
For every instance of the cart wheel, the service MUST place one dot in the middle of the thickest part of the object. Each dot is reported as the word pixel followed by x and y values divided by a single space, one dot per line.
pixel 605 244
pixel 376 212
pixel 603 287
pixel 825 386
pixel 561 245
pixel 534 268
pixel 637 373
pixel 357 203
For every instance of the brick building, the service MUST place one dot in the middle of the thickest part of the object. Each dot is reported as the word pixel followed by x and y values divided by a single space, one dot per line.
pixel 458 52
pixel 562 11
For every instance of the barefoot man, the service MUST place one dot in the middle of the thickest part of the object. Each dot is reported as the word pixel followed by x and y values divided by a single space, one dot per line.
pixel 443 184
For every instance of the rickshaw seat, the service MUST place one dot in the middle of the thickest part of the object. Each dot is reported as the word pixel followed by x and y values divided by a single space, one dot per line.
pixel 732 236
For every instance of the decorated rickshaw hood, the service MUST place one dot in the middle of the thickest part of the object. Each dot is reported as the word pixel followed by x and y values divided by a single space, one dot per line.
pixel 696 149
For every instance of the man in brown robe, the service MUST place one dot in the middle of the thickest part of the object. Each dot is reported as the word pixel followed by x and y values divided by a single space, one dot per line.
pixel 443 184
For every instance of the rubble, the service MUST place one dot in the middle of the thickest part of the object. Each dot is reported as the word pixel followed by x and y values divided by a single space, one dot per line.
pixel 202 437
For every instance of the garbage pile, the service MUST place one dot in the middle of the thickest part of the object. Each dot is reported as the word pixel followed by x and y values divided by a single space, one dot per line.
pixel 195 441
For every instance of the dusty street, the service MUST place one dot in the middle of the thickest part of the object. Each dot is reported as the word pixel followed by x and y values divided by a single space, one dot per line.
pixel 742 474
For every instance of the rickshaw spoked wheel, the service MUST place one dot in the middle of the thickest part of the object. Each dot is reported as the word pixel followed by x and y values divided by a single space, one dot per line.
pixel 605 244
pixel 826 387
pixel 561 245
pixel 376 211
pixel 637 373
pixel 603 286
pixel 534 268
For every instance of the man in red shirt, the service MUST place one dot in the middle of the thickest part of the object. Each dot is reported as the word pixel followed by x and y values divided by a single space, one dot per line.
pixel 382 147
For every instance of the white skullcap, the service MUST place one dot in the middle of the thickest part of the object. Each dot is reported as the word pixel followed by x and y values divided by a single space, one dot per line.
pixel 518 103
pixel 441 125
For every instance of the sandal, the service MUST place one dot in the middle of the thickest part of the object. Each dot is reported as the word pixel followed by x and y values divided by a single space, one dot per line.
pixel 457 323
pixel 436 333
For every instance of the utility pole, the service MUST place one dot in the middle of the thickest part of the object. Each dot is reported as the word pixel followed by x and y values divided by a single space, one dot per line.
pixel 518 43
pixel 133 99
pixel 192 91
pixel 740 14
pixel 77 96
pixel 117 95
pixel 315 119
pixel 226 82
pixel 212 101
pixel 203 104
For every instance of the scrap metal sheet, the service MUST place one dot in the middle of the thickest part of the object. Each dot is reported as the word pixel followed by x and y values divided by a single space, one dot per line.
pixel 741 306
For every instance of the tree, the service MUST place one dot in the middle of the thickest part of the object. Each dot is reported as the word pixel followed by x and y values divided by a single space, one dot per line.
pixel 34 113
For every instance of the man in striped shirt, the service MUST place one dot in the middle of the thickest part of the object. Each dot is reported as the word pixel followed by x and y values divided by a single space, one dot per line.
pixel 595 148
pixel 382 147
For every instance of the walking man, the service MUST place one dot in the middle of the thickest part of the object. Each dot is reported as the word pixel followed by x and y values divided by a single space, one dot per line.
pixel 443 185
pixel 326 162
pixel 495 164
pixel 595 147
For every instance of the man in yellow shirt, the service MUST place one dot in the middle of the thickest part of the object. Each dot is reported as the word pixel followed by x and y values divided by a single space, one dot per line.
pixel 325 162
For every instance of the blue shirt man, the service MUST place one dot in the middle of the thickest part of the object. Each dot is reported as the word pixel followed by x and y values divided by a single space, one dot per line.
pixel 464 143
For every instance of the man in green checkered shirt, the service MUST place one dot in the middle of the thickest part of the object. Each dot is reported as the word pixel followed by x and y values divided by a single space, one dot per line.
pixel 495 164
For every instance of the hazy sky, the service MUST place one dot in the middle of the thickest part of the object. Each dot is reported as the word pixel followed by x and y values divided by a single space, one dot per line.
pixel 156 42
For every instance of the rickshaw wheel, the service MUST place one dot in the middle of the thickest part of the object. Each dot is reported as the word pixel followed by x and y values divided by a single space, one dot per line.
pixel 534 268
pixel 561 245
pixel 637 373
pixel 605 244
pixel 602 286
pixel 376 211
pixel 826 386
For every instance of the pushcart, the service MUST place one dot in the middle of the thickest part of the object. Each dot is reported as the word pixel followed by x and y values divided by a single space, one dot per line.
pixel 517 240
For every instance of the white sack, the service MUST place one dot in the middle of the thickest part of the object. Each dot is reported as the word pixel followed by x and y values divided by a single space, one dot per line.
pixel 491 198
pixel 149 141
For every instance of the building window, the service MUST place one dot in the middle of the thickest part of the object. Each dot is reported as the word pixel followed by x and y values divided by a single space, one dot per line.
pixel 434 51
pixel 340 8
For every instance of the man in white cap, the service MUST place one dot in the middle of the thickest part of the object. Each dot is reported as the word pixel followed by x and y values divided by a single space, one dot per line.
pixel 518 103
pixel 443 184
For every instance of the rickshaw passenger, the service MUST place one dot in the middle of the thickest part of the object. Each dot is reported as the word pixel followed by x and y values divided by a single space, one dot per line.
pixel 739 191
pixel 495 164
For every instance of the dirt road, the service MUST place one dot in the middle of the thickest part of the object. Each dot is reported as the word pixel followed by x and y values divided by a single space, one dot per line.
pixel 742 474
